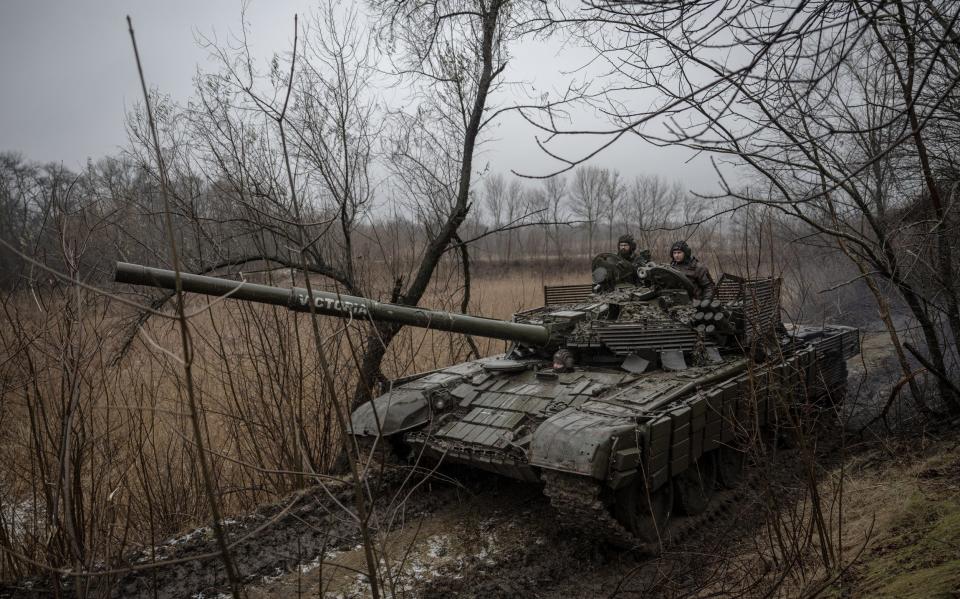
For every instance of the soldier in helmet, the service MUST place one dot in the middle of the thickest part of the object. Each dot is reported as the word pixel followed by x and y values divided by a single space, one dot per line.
pixel 683 260
pixel 563 361
pixel 627 249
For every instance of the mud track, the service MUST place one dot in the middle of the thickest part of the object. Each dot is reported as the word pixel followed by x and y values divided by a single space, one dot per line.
pixel 474 536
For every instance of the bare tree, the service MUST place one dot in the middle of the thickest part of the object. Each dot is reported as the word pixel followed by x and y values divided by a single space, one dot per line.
pixel 647 207
pixel 494 197
pixel 614 192
pixel 513 212
pixel 457 51
pixel 587 198
pixel 832 108
pixel 549 203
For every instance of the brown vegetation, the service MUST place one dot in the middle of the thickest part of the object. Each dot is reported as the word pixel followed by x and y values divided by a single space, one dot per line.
pixel 123 420
pixel 108 439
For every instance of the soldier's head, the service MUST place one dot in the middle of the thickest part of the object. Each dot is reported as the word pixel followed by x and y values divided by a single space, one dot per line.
pixel 626 246
pixel 563 361
pixel 680 252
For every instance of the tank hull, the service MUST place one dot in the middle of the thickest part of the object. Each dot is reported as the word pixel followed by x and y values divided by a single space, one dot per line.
pixel 606 427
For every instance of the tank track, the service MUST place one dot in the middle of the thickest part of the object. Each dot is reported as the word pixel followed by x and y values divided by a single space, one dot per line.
pixel 581 507
pixel 577 499
pixel 682 527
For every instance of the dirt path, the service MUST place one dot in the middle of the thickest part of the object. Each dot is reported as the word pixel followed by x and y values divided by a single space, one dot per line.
pixel 469 534
pixel 500 538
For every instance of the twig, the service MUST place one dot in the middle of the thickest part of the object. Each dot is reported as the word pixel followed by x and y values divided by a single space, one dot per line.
pixel 185 337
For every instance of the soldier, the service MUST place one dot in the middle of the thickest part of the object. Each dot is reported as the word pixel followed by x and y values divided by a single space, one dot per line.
pixel 684 261
pixel 627 249
pixel 563 361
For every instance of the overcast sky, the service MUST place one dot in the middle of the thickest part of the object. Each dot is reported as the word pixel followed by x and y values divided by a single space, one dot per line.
pixel 69 76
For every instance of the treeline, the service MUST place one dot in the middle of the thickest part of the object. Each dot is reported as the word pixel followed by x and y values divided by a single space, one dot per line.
pixel 80 223
pixel 582 214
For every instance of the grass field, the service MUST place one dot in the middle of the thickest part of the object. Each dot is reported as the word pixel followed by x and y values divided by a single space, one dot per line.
pixel 96 453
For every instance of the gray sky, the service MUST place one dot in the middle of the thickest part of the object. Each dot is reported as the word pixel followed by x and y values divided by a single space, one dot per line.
pixel 69 76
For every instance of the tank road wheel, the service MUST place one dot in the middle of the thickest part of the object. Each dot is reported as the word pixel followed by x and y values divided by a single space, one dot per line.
pixel 694 488
pixel 644 513
pixel 730 463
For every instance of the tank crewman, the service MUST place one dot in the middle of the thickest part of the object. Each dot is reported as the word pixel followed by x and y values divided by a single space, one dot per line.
pixel 627 249
pixel 683 260
pixel 563 361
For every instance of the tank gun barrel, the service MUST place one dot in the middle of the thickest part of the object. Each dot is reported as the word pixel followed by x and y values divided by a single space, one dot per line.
pixel 334 304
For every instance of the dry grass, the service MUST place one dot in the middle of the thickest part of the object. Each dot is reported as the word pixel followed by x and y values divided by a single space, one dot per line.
pixel 896 533
pixel 97 458
pixel 908 516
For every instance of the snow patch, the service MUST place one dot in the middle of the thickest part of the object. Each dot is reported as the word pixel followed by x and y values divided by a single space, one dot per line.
pixel 315 562
pixel 202 595
pixel 438 546
pixel 17 515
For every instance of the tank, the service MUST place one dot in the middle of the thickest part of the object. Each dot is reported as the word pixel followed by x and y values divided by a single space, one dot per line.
pixel 627 399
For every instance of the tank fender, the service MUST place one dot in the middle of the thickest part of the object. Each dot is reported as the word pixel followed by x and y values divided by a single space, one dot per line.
pixel 412 404
pixel 395 411
pixel 578 442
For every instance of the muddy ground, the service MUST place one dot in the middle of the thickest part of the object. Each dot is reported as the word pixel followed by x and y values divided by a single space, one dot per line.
pixel 478 536
pixel 467 534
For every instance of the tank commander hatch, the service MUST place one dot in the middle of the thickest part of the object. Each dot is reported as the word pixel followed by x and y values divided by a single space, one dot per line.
pixel 684 261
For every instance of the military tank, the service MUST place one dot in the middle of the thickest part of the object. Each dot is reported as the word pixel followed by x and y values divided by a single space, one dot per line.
pixel 625 397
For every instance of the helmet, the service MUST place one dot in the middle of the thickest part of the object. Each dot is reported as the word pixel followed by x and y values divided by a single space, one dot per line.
pixel 683 247
pixel 563 360
pixel 629 240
